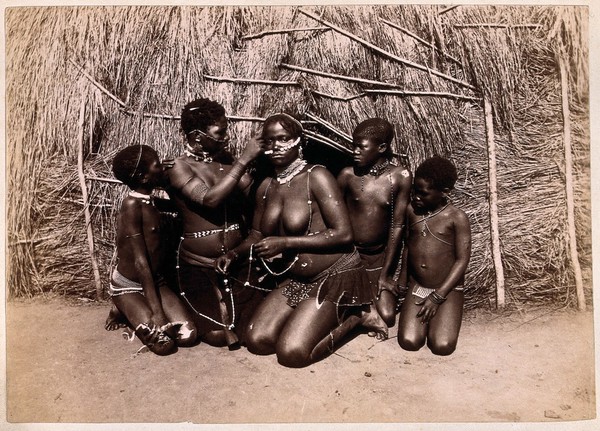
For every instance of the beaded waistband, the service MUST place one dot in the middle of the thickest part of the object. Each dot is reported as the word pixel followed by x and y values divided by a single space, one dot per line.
pixel 204 233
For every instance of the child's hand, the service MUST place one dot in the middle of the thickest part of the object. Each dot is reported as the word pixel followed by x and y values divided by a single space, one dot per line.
pixel 386 283
pixel 427 311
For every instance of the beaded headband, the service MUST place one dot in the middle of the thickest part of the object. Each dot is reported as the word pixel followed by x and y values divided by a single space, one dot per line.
pixel 137 164
pixel 292 118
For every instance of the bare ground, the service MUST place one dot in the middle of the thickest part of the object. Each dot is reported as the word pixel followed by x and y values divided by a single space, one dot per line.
pixel 535 366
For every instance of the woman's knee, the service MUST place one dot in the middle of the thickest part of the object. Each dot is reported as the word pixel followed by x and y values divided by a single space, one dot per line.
pixel 293 355
pixel 259 342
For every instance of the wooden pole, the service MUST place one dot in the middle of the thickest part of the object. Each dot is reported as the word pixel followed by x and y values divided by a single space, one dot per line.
pixel 572 234
pixel 86 209
pixel 492 179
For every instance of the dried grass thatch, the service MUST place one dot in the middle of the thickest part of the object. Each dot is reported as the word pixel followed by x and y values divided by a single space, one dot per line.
pixel 426 71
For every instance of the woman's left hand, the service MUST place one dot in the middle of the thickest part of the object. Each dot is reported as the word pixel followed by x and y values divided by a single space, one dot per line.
pixel 270 246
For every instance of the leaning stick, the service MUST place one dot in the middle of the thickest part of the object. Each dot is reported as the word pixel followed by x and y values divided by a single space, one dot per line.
pixel 423 41
pixel 492 179
pixel 343 99
pixel 448 9
pixel 336 76
pixel 425 93
pixel 98 85
pixel 387 53
pixel 250 81
pixel 572 234
pixel 328 142
pixel 494 25
pixel 330 127
pixel 86 209
pixel 285 30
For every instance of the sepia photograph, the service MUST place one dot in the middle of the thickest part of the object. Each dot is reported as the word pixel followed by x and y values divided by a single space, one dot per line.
pixel 299 216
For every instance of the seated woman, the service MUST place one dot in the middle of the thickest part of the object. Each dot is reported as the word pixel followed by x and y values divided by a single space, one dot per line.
pixel 301 220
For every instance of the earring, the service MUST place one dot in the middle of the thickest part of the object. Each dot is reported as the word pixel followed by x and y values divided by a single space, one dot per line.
pixel 300 155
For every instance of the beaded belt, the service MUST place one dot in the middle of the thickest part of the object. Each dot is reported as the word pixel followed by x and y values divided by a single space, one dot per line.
pixel 204 233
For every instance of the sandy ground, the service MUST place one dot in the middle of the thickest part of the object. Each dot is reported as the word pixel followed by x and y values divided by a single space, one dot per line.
pixel 62 366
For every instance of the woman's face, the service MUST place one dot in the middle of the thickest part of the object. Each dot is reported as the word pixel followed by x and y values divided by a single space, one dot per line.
pixel 280 145
pixel 215 138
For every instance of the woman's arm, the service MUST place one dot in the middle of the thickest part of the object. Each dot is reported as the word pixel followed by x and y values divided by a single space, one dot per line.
pixel 197 191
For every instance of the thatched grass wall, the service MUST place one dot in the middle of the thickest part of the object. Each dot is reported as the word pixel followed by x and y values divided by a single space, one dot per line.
pixel 116 76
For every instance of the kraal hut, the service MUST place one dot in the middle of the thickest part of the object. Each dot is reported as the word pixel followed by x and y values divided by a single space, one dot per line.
pixel 500 90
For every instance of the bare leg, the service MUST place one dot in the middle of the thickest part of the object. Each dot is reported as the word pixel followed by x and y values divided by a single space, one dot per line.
pixel 137 311
pixel 304 330
pixel 185 334
pixel 411 332
pixel 115 319
pixel 386 307
pixel 267 322
pixel 442 336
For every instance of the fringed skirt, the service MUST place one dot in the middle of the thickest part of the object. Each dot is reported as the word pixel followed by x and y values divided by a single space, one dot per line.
pixel 345 283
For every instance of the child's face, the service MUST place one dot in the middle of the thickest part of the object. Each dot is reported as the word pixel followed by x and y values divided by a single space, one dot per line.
pixel 280 144
pixel 156 173
pixel 366 152
pixel 425 197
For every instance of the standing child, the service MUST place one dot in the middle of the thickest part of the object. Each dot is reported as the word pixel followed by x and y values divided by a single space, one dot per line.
pixel 137 289
pixel 438 252
pixel 376 193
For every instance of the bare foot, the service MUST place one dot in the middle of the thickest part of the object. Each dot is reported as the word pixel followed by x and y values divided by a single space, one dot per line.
pixel 372 321
pixel 115 320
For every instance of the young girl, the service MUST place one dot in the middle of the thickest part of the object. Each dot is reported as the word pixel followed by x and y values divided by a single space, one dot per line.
pixel 137 288
pixel 437 254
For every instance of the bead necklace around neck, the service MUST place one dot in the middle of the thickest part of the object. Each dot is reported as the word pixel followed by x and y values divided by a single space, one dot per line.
pixel 147 199
pixel 375 171
pixel 291 171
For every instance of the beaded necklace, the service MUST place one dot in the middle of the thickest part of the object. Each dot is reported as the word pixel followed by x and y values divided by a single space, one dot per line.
pixel 291 171
pixel 428 216
pixel 202 157
pixel 375 171
pixel 147 199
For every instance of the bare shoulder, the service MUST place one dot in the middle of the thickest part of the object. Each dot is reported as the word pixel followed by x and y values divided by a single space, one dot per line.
pixel 130 213
pixel 319 173
pixel 401 173
pixel 180 172
pixel 346 173
pixel 321 179
pixel 458 215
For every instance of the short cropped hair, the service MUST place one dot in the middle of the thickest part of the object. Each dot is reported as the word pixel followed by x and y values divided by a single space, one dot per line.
pixel 199 114
pixel 287 121
pixel 132 163
pixel 440 171
pixel 377 130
